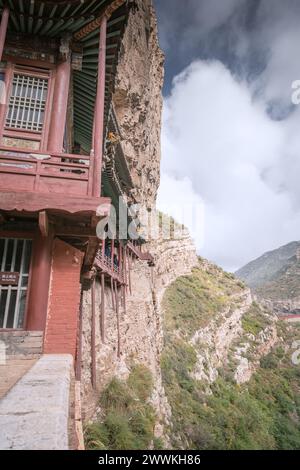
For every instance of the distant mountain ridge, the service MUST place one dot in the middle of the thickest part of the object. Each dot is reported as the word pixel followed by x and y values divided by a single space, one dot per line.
pixel 275 278
pixel 269 266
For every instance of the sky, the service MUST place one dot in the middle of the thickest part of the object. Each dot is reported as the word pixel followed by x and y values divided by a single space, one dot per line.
pixel 231 133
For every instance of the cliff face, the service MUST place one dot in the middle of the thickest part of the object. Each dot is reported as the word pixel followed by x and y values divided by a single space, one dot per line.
pixel 138 100
pixel 141 336
pixel 226 366
pixel 191 355
pixel 138 104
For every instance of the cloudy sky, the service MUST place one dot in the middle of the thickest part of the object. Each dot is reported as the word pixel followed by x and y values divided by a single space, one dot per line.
pixel 231 135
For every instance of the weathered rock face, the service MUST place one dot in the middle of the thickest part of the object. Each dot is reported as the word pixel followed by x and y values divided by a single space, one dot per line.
pixel 212 343
pixel 138 104
pixel 141 335
pixel 138 100
pixel 283 307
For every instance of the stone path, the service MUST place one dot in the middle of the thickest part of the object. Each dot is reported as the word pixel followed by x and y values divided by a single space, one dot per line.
pixel 12 371
pixel 34 413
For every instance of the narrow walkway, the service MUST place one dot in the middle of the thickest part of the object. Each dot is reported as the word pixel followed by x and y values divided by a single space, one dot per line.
pixel 34 413
pixel 12 371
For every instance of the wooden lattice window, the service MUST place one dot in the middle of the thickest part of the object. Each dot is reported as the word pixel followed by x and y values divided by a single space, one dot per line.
pixel 27 103
pixel 25 116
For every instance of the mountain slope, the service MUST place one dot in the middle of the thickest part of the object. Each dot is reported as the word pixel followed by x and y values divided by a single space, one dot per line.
pixel 268 266
pixel 275 278
pixel 226 367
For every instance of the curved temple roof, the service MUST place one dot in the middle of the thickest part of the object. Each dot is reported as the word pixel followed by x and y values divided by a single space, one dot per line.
pixel 54 19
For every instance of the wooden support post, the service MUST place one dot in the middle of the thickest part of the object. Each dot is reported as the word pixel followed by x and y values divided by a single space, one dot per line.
pixel 125 266
pixel 99 110
pixel 93 337
pixel 112 293
pixel 59 107
pixel 118 320
pixel 129 273
pixel 3 29
pixel 119 259
pixel 102 309
pixel 124 297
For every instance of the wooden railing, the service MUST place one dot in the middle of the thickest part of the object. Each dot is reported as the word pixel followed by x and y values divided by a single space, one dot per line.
pixel 45 172
pixel 106 264
pixel 144 256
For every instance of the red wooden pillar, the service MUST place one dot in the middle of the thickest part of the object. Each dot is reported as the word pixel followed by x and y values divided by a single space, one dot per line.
pixel 59 107
pixel 3 29
pixel 99 110
pixel 39 283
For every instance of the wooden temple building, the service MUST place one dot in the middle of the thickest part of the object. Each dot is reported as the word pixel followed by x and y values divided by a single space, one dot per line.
pixel 61 165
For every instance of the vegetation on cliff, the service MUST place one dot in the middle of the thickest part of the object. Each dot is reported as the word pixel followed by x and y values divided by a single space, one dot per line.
pixel 192 301
pixel 127 420
pixel 263 413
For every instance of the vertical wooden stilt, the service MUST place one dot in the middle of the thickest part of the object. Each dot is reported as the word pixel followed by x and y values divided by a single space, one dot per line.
pixel 129 274
pixel 102 322
pixel 124 297
pixel 118 320
pixel 112 293
pixel 93 336
pixel 125 269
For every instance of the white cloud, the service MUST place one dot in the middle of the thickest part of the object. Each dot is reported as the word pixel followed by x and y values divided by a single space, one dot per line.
pixel 220 147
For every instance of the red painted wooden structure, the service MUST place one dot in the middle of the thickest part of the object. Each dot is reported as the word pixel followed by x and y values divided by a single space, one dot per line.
pixel 58 68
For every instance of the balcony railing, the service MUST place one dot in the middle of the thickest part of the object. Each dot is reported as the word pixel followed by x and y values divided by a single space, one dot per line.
pixel 35 171
pixel 106 264
pixel 144 256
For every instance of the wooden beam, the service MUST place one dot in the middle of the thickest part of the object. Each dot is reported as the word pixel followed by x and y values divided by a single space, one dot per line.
pixel 3 29
pixel 93 25
pixel 11 200
pixel 44 224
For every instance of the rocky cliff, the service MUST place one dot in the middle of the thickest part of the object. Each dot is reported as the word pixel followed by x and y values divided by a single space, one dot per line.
pixel 138 100
pixel 190 361
pixel 141 336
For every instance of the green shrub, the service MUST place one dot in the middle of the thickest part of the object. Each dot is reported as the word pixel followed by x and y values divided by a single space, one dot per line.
pixel 254 320
pixel 129 420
